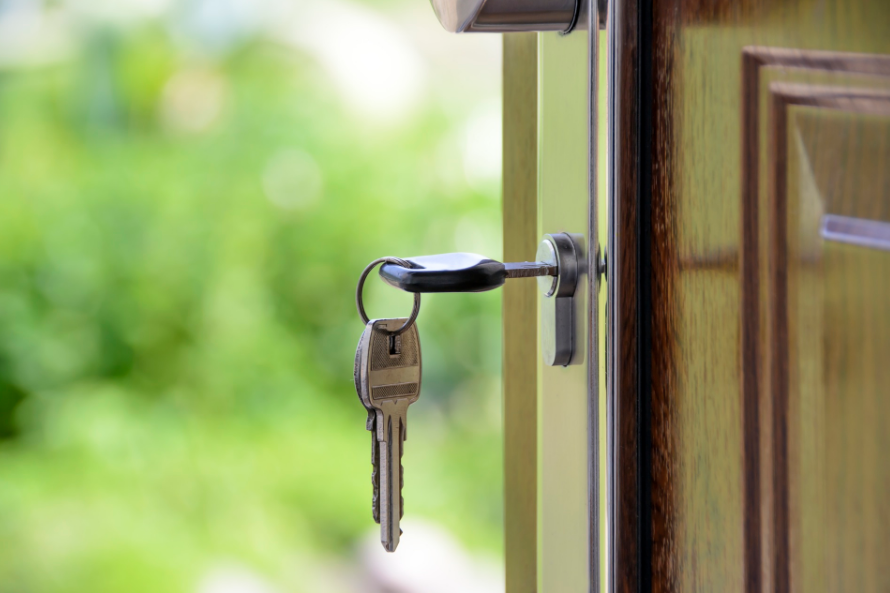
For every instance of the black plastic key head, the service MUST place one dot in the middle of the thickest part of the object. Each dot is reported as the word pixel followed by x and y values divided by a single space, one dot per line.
pixel 449 272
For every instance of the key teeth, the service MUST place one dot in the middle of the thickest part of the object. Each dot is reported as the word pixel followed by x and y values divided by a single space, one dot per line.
pixel 401 478
pixel 375 502
pixel 375 479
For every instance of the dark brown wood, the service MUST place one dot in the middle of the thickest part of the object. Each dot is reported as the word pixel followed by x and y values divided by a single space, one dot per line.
pixel 665 310
pixel 778 248
pixel 520 311
pixel 624 294
pixel 751 319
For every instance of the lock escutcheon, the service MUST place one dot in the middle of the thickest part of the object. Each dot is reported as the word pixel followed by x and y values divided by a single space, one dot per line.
pixel 557 297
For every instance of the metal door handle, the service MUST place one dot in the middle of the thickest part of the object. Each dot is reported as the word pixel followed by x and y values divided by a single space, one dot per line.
pixel 502 16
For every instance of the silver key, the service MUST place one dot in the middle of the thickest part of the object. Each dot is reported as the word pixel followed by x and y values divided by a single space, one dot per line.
pixel 388 372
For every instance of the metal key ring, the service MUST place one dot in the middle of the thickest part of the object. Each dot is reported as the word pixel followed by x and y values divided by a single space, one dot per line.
pixel 361 283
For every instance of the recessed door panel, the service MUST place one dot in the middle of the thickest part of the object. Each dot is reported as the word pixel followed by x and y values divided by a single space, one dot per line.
pixel 830 322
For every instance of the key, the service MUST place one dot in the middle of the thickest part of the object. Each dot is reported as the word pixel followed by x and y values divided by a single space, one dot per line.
pixel 388 373
pixel 371 426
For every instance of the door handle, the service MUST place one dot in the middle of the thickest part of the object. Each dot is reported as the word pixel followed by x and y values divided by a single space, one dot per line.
pixel 502 16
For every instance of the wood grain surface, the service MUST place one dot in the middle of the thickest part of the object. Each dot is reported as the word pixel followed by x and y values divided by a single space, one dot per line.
pixel 623 405
pixel 756 61
pixel 701 349
pixel 829 325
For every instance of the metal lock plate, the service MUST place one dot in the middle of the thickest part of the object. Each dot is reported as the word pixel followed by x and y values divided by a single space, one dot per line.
pixel 557 297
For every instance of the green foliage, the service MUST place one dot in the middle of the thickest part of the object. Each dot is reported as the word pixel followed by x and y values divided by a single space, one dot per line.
pixel 176 347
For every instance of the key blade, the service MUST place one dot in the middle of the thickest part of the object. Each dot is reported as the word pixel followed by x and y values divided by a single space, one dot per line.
pixel 391 484
pixel 528 269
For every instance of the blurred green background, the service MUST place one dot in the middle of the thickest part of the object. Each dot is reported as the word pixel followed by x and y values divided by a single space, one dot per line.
pixel 188 192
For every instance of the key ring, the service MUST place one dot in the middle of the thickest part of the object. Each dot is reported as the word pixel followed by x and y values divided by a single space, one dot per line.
pixel 361 283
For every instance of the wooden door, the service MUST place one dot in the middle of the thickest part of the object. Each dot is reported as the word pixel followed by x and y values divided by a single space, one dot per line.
pixel 750 295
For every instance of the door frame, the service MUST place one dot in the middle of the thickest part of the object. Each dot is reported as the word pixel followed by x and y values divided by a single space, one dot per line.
pixel 532 549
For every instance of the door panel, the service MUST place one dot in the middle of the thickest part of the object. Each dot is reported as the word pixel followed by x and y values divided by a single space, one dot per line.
pixel 839 156
pixel 761 295
pixel 830 329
